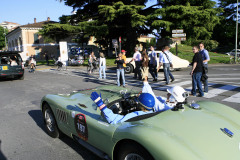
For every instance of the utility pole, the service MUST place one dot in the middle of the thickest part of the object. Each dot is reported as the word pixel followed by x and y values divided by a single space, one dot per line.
pixel 236 35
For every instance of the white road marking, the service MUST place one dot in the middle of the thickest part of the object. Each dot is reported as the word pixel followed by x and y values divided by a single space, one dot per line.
pixel 220 90
pixel 181 83
pixel 234 98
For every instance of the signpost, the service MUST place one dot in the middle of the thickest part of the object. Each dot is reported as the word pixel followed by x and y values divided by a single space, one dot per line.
pixel 178 35
pixel 115 45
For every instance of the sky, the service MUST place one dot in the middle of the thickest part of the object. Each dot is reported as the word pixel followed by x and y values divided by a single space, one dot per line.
pixel 24 11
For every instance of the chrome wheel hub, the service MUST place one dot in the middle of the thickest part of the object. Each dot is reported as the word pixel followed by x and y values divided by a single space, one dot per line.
pixel 133 156
pixel 49 120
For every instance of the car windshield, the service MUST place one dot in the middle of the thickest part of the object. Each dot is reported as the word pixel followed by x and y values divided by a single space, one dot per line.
pixel 10 59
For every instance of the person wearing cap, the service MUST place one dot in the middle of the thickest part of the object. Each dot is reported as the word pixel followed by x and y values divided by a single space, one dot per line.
pixel 137 59
pixel 148 103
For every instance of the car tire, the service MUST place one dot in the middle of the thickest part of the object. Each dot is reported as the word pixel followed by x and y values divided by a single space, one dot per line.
pixel 21 77
pixel 132 150
pixel 50 122
pixel 128 69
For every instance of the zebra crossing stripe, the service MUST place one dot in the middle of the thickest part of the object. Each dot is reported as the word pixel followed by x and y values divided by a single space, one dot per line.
pixel 189 89
pixel 180 83
pixel 220 90
pixel 234 98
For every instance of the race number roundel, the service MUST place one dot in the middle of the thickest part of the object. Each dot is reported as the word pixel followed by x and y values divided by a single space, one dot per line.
pixel 81 126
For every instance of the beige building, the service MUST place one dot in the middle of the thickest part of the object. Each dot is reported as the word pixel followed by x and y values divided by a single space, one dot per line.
pixel 25 39
pixel 9 25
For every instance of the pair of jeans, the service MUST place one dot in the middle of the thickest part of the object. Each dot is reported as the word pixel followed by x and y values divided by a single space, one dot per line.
pixel 102 69
pixel 205 83
pixel 153 70
pixel 120 71
pixel 196 83
pixel 167 72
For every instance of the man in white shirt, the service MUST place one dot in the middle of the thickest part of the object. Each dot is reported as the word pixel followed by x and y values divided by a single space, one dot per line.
pixel 137 57
pixel 165 60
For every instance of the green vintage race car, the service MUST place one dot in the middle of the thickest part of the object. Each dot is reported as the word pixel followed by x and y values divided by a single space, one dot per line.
pixel 203 130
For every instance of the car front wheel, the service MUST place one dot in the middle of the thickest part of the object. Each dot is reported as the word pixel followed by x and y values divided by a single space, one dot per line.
pixel 50 122
pixel 128 69
pixel 129 151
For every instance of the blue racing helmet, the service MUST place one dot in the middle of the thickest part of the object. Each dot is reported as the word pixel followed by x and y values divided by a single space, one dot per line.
pixel 147 101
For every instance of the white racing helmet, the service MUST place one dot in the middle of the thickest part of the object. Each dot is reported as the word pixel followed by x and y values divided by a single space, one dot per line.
pixel 178 94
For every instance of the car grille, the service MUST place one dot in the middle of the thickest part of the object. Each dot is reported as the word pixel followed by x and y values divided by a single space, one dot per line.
pixel 61 115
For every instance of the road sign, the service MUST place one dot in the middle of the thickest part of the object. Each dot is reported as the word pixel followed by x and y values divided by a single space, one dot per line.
pixel 179 39
pixel 177 31
pixel 179 35
pixel 115 43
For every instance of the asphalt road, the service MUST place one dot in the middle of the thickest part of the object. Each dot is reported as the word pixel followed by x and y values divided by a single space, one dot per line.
pixel 22 132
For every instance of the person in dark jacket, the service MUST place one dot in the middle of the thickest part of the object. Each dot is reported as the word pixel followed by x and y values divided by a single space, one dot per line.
pixel 120 69
pixel 196 72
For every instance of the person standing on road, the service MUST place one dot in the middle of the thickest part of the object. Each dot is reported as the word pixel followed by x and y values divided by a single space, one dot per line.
pixel 165 60
pixel 153 63
pixel 102 66
pixel 120 70
pixel 206 58
pixel 91 61
pixel 46 58
pixel 124 64
pixel 137 58
pixel 196 72
pixel 145 67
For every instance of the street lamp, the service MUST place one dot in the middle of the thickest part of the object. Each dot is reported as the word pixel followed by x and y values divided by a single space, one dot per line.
pixel 236 35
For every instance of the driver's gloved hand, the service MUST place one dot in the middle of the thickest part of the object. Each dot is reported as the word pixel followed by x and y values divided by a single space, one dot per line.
pixel 98 100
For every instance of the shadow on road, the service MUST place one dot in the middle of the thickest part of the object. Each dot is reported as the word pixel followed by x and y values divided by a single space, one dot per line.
pixel 2 157
pixel 86 154
pixel 38 118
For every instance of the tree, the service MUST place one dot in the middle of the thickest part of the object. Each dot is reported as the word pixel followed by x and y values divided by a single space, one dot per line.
pixel 2 37
pixel 109 19
pixel 197 18
pixel 225 32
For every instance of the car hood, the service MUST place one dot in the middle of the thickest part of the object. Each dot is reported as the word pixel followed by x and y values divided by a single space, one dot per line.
pixel 200 131
pixel 193 133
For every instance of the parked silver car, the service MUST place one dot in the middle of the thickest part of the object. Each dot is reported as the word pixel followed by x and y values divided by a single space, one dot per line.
pixel 232 53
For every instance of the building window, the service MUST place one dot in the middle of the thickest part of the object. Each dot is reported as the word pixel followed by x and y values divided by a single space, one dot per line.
pixel 37 53
pixel 36 40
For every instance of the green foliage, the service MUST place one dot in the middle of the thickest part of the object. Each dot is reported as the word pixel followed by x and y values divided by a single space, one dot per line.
pixel 208 44
pixel 150 43
pixel 197 21
pixel 225 32
pixel 56 32
pixel 185 52
pixel 2 37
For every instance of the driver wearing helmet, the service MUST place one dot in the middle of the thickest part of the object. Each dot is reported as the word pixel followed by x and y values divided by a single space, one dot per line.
pixel 149 103
pixel 176 95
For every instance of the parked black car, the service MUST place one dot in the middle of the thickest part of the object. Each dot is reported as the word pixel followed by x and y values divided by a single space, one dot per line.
pixel 11 65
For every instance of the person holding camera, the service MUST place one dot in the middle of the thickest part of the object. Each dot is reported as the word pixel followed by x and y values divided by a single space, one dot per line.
pixel 120 69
